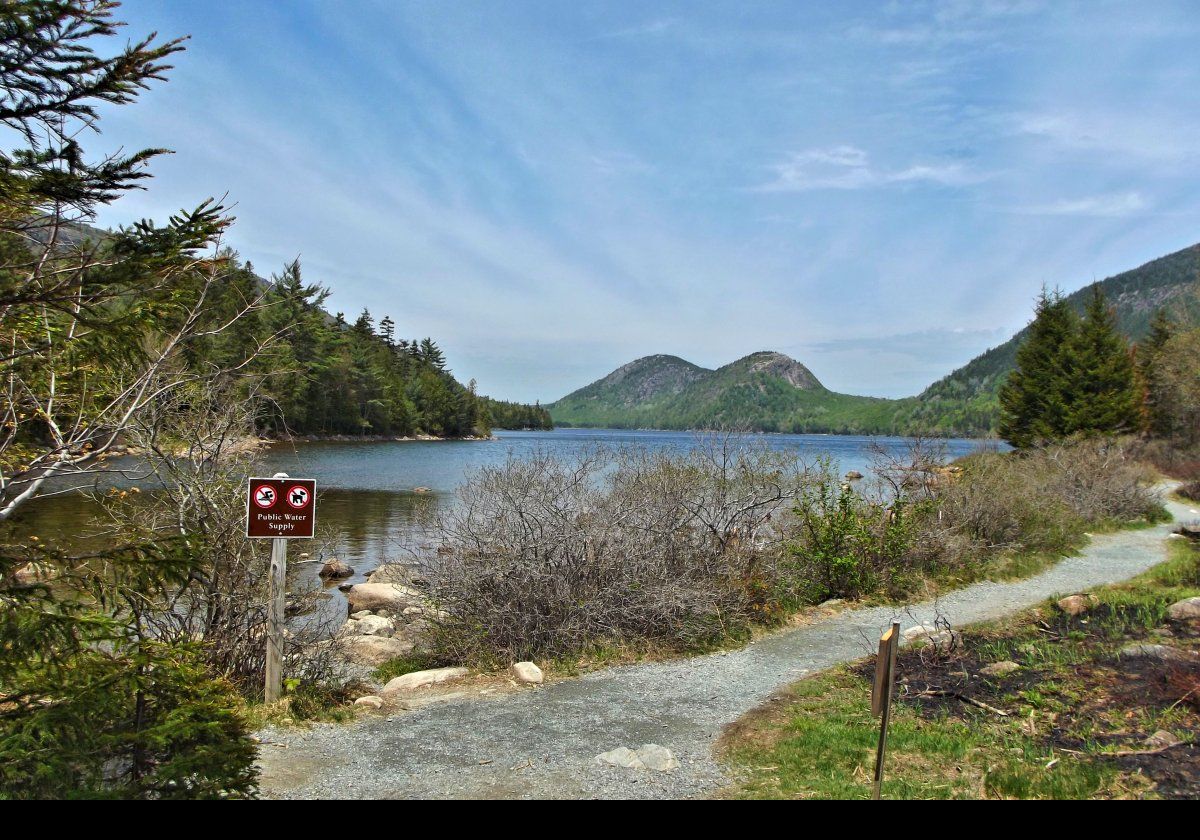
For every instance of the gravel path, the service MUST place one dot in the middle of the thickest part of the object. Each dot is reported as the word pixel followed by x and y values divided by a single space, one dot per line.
pixel 542 743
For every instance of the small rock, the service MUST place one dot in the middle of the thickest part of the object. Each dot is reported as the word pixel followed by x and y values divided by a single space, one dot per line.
pixel 655 757
pixel 528 673
pixel 920 631
pixel 32 573
pixel 1000 669
pixel 1186 610
pixel 420 679
pixel 370 700
pixel 1162 739
pixel 933 635
pixel 646 757
pixel 335 569
pixel 854 475
pixel 621 757
pixel 361 614
pixel 1162 653
pixel 1074 605
pixel 373 651
pixel 375 625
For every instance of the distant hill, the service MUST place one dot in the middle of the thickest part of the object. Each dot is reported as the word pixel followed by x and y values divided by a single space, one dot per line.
pixel 764 391
pixel 769 391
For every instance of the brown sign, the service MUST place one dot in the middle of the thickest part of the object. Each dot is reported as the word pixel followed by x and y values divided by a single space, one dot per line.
pixel 281 507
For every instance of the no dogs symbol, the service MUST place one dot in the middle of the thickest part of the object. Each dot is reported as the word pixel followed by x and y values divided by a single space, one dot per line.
pixel 297 496
pixel 264 497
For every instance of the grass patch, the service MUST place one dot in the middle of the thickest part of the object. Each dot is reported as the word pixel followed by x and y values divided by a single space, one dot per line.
pixel 305 703
pixel 1079 720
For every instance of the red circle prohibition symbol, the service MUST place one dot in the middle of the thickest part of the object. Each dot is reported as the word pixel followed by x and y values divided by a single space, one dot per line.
pixel 297 496
pixel 264 496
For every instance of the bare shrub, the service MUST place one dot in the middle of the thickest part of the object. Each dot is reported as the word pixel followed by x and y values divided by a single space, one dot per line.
pixel 545 557
pixel 1042 499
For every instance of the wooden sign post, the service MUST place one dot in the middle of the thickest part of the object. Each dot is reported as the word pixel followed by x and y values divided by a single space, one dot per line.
pixel 881 696
pixel 280 509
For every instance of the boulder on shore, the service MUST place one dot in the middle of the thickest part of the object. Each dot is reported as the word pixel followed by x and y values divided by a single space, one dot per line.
pixel 382 596
pixel 421 679
pixel 373 651
pixel 374 625
pixel 335 569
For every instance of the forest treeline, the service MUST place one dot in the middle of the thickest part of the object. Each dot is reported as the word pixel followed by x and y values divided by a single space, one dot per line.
pixel 324 375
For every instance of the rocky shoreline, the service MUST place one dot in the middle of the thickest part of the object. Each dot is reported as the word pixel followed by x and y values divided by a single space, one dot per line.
pixel 390 617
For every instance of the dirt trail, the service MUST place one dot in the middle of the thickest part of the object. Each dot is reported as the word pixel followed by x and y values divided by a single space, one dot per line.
pixel 541 743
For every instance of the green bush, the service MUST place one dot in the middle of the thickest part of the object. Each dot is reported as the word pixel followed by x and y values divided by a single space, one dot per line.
pixel 92 704
pixel 850 547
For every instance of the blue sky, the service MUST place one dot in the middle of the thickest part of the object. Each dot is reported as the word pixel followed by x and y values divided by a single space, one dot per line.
pixel 553 189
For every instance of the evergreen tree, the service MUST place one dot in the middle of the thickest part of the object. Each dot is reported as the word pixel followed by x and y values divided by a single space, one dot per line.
pixel 1035 400
pixel 387 331
pixel 1149 360
pixel 1103 394
pixel 432 355
pixel 94 702
pixel 365 325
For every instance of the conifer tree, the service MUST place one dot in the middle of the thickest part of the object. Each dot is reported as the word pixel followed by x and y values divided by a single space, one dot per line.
pixel 1149 359
pixel 387 331
pixel 1102 393
pixel 1035 400
pixel 97 333
pixel 432 355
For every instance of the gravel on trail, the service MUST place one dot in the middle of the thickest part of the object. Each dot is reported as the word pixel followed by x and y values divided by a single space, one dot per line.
pixel 542 743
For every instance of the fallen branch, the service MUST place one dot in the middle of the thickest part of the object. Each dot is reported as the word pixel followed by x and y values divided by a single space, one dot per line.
pixel 971 701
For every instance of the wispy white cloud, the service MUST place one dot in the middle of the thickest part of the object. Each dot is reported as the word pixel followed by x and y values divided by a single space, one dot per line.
pixel 1112 205
pixel 1129 134
pixel 849 168
pixel 656 26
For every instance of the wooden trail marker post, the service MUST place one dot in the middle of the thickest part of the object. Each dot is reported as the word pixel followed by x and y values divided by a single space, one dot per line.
pixel 280 509
pixel 881 696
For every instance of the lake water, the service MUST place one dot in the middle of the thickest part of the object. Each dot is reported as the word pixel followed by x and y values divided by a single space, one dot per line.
pixel 367 502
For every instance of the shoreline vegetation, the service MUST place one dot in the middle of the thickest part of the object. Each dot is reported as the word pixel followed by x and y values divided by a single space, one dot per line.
pixel 683 553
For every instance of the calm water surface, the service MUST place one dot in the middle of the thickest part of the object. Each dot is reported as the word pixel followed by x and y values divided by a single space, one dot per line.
pixel 367 504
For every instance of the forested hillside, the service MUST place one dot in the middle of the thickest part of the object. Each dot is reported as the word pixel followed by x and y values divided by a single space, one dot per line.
pixel 330 376
pixel 319 374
